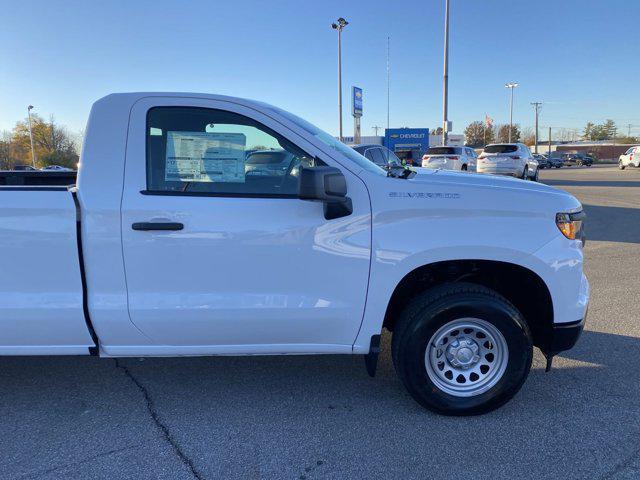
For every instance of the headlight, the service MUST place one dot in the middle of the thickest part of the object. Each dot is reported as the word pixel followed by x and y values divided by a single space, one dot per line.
pixel 570 224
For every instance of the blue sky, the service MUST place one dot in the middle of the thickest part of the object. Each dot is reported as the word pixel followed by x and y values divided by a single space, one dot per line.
pixel 579 57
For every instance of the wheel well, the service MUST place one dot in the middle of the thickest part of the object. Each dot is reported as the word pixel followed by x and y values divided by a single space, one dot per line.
pixel 522 287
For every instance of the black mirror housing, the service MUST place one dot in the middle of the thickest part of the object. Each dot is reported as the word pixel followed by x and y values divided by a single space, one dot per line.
pixel 327 185
pixel 323 184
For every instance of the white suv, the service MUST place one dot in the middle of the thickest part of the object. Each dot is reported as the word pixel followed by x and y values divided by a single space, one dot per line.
pixel 513 159
pixel 450 158
pixel 630 158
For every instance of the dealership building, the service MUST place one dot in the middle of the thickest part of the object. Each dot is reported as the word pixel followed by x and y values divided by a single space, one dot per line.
pixel 409 144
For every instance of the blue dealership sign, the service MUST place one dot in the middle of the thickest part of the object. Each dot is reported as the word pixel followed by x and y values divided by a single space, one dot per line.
pixel 409 144
pixel 356 101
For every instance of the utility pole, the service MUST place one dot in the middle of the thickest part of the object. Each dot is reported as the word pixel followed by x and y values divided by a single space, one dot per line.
pixel 511 86
pixel 375 129
pixel 339 27
pixel 536 105
pixel 33 150
pixel 549 152
pixel 388 80
pixel 445 87
pixel 629 129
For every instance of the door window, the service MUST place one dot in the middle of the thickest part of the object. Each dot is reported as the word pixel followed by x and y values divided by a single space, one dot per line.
pixel 378 156
pixel 368 153
pixel 215 152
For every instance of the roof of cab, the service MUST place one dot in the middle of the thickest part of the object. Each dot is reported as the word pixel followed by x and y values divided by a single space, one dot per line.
pixel 133 97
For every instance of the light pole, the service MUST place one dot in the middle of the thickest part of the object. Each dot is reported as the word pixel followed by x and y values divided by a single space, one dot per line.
pixel 536 105
pixel 33 150
pixel 445 85
pixel 339 26
pixel 511 86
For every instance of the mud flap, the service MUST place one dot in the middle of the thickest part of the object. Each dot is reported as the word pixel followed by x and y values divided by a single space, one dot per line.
pixel 371 358
pixel 549 358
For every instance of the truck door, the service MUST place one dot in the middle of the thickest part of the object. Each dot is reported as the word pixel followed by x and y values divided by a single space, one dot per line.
pixel 220 254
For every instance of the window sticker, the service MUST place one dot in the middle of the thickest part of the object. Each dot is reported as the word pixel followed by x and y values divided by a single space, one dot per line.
pixel 205 157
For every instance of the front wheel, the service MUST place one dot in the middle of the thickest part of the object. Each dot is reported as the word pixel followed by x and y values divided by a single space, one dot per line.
pixel 525 173
pixel 462 349
pixel 620 165
pixel 536 176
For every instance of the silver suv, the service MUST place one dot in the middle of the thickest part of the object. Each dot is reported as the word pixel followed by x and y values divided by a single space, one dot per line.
pixel 513 159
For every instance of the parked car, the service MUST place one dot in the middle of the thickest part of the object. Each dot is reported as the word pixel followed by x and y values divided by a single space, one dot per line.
pixel 274 162
pixel 555 162
pixel 542 160
pixel 584 160
pixel 177 252
pixel 450 158
pixel 57 168
pixel 24 168
pixel 512 159
pixel 378 154
pixel 630 158
pixel 577 159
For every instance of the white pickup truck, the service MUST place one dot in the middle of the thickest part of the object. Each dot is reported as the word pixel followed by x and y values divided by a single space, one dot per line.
pixel 169 245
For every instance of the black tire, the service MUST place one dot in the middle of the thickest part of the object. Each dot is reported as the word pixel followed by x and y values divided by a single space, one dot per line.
pixel 620 165
pixel 430 311
pixel 525 173
pixel 536 177
pixel 463 168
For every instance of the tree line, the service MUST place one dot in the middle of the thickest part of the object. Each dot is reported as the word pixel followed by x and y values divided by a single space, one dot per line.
pixel 605 131
pixel 53 145
pixel 478 134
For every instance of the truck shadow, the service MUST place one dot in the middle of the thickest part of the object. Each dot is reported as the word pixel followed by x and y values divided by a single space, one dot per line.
pixel 296 407
pixel 590 183
pixel 325 381
pixel 612 224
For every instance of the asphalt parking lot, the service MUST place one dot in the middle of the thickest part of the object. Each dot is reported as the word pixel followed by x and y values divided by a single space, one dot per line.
pixel 323 417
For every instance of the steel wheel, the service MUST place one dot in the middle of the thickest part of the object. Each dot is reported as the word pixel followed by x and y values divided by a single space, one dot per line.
pixel 466 357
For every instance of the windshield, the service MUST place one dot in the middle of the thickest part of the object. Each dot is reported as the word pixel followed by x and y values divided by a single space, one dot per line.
pixel 328 140
pixel 500 148
pixel 392 159
pixel 443 151
pixel 266 157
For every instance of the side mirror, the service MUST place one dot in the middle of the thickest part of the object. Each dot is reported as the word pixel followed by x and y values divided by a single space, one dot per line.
pixel 327 185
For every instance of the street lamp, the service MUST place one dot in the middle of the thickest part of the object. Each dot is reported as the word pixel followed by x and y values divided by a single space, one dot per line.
pixel 511 86
pixel 33 151
pixel 341 23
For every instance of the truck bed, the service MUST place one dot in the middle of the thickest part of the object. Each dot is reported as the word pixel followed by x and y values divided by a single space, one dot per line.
pixel 37 177
pixel 41 288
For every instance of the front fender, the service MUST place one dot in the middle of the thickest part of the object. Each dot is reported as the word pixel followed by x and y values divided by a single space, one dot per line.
pixel 384 280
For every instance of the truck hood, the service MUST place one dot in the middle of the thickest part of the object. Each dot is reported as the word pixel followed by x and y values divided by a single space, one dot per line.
pixel 481 192
pixel 436 177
